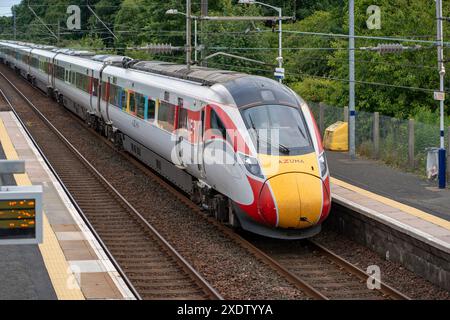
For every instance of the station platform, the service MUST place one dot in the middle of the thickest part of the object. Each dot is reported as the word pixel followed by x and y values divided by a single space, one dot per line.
pixel 70 264
pixel 401 216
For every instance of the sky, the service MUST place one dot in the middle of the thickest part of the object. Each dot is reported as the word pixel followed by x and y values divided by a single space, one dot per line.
pixel 5 6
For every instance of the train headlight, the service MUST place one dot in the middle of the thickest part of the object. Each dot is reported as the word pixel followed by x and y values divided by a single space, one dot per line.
pixel 323 165
pixel 252 165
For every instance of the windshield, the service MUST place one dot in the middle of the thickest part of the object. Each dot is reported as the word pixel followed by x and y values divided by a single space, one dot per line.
pixel 278 130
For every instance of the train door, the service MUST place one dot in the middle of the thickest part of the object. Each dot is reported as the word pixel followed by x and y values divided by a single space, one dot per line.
pixel 91 91
pixel 49 72
pixel 200 142
pixel 108 94
pixel 185 131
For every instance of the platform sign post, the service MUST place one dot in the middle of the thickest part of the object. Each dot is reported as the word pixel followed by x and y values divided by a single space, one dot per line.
pixel 21 220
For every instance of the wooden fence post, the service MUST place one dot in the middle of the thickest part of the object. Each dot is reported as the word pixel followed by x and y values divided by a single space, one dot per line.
pixel 411 142
pixel 376 134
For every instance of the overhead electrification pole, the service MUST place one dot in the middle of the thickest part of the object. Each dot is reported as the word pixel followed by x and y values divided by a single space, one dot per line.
pixel 351 62
pixel 279 72
pixel 441 95
pixel 15 23
pixel 203 13
pixel 280 45
pixel 188 34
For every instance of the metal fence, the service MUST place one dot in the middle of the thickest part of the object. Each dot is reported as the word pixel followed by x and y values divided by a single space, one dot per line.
pixel 397 142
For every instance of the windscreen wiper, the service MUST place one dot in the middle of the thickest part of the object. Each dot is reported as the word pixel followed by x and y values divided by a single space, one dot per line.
pixel 282 148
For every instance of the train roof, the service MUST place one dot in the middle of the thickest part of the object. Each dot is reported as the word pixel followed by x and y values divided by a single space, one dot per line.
pixel 206 76
pixel 245 89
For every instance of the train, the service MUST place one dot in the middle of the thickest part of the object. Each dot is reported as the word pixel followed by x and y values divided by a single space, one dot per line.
pixel 245 148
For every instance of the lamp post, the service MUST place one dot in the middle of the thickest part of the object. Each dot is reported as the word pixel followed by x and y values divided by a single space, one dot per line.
pixel 188 34
pixel 279 72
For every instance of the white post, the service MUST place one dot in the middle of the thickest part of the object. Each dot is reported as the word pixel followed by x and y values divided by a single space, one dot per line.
pixel 351 53
pixel 188 34
pixel 280 41
pixel 195 41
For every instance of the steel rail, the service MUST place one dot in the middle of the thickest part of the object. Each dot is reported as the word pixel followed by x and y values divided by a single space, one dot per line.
pixel 354 270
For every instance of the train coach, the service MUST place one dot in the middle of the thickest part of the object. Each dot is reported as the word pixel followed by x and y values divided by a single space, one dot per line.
pixel 245 148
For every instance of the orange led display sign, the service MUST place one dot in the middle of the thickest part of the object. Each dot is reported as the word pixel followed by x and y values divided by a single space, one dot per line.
pixel 17 218
pixel 20 215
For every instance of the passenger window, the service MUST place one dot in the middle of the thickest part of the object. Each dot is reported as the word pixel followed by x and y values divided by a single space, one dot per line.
pixel 151 109
pixel 166 115
pixel 217 126
pixel 123 100
pixel 182 118
pixel 118 97
pixel 112 94
pixel 140 105
pixel 132 102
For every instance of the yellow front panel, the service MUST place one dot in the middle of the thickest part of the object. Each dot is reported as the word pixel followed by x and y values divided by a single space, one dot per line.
pixel 297 196
pixel 311 194
pixel 287 198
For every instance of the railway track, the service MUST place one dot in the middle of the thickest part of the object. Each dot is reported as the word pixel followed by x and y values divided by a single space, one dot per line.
pixel 331 275
pixel 312 269
pixel 151 267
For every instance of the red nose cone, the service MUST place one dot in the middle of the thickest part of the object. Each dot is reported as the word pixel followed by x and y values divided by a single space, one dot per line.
pixel 266 206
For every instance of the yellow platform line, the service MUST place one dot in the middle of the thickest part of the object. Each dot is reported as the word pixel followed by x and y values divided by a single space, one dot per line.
pixel 392 203
pixel 63 280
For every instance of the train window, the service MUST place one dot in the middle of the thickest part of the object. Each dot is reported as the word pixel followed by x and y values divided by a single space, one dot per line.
pixel 182 118
pixel 166 115
pixel 118 97
pixel 151 109
pixel 112 94
pixel 59 72
pixel 140 105
pixel 216 125
pixel 278 129
pixel 77 80
pixel 132 102
pixel 123 99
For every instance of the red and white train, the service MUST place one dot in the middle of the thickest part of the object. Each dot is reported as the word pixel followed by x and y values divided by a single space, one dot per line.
pixel 246 148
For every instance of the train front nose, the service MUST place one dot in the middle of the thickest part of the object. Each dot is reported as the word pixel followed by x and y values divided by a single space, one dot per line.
pixel 297 200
